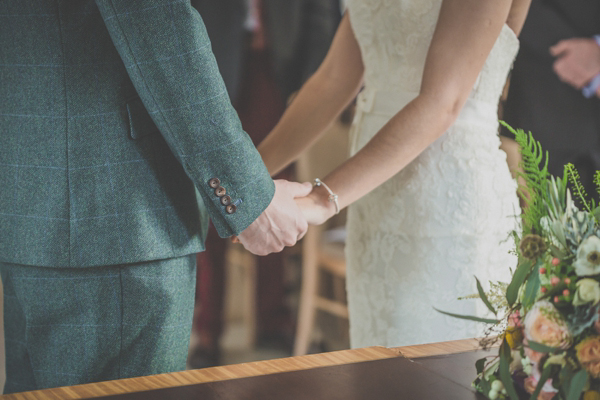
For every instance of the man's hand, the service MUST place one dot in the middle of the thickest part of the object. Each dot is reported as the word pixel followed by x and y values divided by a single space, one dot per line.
pixel 281 224
pixel 578 61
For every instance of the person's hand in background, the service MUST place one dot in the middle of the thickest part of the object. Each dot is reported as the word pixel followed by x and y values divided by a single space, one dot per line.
pixel 578 60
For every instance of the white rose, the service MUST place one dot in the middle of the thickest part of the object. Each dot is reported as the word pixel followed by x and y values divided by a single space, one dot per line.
pixel 588 257
pixel 588 291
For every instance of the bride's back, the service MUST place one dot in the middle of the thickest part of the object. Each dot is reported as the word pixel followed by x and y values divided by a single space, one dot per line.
pixel 394 38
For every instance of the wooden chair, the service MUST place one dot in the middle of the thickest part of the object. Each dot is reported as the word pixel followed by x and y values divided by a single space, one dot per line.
pixel 319 254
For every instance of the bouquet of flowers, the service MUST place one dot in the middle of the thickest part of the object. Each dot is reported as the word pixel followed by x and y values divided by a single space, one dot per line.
pixel 547 317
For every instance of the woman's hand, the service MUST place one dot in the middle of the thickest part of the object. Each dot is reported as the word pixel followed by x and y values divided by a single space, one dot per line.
pixel 316 207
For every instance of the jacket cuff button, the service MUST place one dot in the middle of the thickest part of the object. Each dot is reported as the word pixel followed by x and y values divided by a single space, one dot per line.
pixel 214 183
pixel 220 191
pixel 231 209
pixel 226 200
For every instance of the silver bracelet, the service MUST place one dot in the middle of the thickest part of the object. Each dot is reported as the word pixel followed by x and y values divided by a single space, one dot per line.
pixel 333 198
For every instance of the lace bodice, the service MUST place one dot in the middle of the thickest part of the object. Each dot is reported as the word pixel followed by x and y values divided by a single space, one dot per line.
pixel 394 37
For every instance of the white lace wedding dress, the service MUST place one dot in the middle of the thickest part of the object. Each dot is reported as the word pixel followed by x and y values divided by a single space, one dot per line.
pixel 417 241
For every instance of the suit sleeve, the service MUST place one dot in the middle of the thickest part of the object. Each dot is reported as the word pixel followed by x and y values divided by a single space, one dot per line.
pixel 167 53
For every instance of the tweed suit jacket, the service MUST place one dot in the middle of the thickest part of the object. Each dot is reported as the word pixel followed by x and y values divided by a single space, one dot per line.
pixel 114 121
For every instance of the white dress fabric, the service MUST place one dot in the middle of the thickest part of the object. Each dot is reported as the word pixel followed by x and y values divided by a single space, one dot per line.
pixel 417 241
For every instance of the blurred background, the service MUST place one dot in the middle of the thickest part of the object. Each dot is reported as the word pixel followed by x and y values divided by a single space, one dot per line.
pixel 252 308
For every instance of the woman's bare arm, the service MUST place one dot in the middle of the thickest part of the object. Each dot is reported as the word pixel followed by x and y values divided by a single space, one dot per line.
pixel 465 34
pixel 319 102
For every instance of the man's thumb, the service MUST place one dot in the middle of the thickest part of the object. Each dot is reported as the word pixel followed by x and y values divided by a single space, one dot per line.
pixel 300 189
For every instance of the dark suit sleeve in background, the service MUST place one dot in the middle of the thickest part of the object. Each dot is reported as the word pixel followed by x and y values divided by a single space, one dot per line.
pixel 546 25
pixel 168 57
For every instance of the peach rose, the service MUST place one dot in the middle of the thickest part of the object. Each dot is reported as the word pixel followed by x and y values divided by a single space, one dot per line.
pixel 588 354
pixel 544 324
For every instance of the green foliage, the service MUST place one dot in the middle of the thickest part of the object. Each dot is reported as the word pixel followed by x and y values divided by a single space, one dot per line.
pixel 597 181
pixel 504 370
pixel 577 385
pixel 558 200
pixel 484 297
pixel 535 174
pixel 469 317
pixel 519 277
pixel 578 189
pixel 542 348
pixel 532 287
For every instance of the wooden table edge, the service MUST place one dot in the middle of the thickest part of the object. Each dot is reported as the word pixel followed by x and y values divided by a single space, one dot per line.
pixel 214 374
pixel 245 370
pixel 440 348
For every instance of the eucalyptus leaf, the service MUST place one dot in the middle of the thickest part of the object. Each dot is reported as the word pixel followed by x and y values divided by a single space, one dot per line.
pixel 485 387
pixel 484 297
pixel 545 376
pixel 469 317
pixel 505 375
pixel 512 292
pixel 596 212
pixel 532 287
pixel 480 364
pixel 541 348
pixel 577 384
pixel 492 368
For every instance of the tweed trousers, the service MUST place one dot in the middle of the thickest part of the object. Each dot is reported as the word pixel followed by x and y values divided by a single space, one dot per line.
pixel 68 326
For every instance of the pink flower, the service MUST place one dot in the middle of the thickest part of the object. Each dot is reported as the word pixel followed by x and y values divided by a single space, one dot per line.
pixel 544 324
pixel 548 391
pixel 514 319
pixel 530 385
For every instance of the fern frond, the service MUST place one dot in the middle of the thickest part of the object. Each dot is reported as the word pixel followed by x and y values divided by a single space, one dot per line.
pixel 578 189
pixel 535 174
pixel 597 181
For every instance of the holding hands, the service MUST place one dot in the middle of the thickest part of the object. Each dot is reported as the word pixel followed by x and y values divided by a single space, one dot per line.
pixel 286 219
pixel 316 207
pixel 281 224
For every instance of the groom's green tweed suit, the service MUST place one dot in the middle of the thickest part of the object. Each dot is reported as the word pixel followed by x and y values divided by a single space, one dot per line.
pixel 114 122
pixel 110 113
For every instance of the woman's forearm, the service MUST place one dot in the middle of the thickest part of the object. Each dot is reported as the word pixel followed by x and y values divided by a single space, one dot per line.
pixel 398 143
pixel 318 104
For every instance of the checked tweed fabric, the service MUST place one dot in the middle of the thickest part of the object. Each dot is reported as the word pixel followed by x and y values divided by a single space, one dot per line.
pixel 64 328
pixel 113 118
